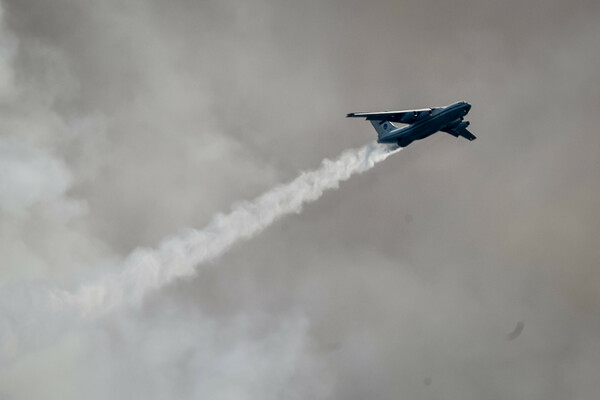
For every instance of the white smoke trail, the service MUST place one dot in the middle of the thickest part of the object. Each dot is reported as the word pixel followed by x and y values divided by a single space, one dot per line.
pixel 146 269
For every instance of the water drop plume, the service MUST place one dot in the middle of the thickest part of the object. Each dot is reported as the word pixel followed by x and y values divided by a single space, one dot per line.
pixel 147 269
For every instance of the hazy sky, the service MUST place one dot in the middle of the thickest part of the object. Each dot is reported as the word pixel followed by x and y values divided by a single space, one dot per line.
pixel 122 123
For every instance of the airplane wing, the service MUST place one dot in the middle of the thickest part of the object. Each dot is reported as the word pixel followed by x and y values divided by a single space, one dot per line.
pixel 404 116
pixel 467 135
pixel 464 132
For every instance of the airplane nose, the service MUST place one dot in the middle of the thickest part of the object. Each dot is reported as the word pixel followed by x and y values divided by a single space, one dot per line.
pixel 467 107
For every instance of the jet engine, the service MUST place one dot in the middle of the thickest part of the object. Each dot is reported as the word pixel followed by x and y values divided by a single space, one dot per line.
pixel 454 123
pixel 409 118
pixel 423 114
pixel 462 125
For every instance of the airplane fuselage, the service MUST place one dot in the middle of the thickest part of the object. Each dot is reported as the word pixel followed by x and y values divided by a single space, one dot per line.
pixel 427 125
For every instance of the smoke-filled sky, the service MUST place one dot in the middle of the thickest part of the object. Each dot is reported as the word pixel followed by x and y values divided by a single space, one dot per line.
pixel 453 270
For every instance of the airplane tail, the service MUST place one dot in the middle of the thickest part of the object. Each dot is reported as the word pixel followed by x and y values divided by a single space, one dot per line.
pixel 383 127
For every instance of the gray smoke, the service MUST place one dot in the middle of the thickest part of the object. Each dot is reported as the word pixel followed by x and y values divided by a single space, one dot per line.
pixel 33 308
pixel 122 122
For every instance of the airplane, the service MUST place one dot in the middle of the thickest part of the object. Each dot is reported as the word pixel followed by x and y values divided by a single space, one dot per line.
pixel 422 123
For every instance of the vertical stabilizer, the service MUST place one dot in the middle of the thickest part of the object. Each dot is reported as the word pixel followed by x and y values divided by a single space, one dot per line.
pixel 383 127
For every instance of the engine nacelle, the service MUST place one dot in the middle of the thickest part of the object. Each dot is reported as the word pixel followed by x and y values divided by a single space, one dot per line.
pixel 462 125
pixel 454 123
pixel 423 114
pixel 415 116
pixel 409 118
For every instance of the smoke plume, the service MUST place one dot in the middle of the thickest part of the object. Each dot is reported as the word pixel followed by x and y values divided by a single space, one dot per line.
pixel 177 257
